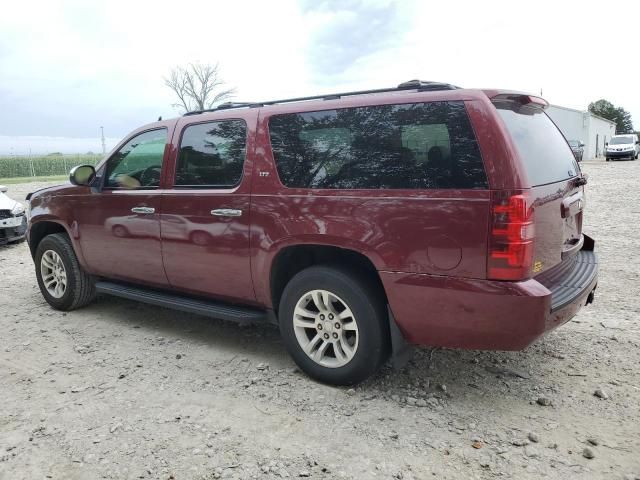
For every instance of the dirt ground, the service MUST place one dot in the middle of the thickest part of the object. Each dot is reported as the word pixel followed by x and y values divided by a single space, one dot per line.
pixel 123 390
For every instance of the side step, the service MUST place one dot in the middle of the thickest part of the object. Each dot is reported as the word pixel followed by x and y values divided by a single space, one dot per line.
pixel 207 308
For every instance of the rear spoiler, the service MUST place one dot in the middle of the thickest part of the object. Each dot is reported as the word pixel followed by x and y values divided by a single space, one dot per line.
pixel 523 99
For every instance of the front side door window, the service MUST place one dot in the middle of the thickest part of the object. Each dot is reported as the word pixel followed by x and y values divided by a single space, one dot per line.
pixel 138 163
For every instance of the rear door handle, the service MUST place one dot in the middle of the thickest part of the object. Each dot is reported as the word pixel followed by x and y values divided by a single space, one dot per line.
pixel 146 210
pixel 226 212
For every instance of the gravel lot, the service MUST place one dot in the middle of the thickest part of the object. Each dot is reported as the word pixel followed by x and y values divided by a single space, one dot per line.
pixel 123 390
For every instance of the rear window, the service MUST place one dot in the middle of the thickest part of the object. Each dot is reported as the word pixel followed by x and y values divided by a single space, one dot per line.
pixel 408 146
pixel 547 157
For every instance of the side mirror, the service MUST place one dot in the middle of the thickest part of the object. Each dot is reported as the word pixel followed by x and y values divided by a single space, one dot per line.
pixel 606 144
pixel 581 144
pixel 637 142
pixel 3 188
pixel 82 175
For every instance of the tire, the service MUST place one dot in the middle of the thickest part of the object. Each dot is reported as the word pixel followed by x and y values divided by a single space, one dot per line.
pixel 607 159
pixel 361 344
pixel 79 289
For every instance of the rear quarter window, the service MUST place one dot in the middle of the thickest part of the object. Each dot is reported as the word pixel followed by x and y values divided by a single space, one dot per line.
pixel 407 146
pixel 543 149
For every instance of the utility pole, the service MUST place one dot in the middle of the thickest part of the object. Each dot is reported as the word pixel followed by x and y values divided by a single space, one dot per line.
pixel 104 145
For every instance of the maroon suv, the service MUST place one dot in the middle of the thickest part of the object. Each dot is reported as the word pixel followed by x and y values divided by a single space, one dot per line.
pixel 360 223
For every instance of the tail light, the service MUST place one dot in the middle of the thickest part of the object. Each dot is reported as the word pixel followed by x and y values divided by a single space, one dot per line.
pixel 511 237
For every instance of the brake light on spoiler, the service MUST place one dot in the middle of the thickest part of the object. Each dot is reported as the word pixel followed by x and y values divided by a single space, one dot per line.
pixel 510 255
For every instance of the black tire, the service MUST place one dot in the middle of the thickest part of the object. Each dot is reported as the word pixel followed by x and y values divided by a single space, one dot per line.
pixel 80 289
pixel 607 159
pixel 367 303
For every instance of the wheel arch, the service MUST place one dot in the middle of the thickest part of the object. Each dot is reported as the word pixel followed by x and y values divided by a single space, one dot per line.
pixel 39 230
pixel 291 259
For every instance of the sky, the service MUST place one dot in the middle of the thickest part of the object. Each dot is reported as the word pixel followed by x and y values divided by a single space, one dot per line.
pixel 69 67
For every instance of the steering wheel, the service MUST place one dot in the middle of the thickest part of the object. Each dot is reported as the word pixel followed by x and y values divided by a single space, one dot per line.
pixel 150 176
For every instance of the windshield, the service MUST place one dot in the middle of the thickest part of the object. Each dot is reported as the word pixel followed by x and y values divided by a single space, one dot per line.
pixel 547 157
pixel 621 140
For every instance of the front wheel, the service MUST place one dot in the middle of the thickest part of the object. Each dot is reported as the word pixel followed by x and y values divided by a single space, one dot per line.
pixel 63 283
pixel 334 324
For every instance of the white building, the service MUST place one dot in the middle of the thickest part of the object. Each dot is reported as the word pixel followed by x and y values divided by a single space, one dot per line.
pixel 590 129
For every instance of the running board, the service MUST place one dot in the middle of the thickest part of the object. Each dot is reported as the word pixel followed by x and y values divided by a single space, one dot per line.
pixel 208 308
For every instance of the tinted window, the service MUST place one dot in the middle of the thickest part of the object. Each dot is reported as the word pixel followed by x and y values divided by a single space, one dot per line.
pixel 424 145
pixel 547 157
pixel 139 162
pixel 212 154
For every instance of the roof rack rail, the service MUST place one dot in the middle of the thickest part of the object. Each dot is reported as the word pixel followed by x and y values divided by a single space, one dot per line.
pixel 419 85
pixel 222 106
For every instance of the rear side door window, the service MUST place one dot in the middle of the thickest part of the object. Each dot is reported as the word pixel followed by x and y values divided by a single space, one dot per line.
pixel 138 163
pixel 407 146
pixel 212 155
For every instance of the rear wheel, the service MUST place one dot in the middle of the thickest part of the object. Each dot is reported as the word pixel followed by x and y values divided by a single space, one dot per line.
pixel 63 283
pixel 334 324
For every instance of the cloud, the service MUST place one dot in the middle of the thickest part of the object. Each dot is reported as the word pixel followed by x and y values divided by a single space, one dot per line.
pixel 346 32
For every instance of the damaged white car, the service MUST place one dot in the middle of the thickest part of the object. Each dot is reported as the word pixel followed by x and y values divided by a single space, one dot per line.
pixel 13 219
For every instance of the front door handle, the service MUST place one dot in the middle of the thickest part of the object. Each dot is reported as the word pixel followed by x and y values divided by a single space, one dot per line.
pixel 146 210
pixel 226 212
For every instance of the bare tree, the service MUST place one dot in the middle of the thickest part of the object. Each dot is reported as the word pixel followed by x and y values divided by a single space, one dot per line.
pixel 197 86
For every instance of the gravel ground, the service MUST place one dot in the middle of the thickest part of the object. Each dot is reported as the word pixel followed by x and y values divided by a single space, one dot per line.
pixel 124 390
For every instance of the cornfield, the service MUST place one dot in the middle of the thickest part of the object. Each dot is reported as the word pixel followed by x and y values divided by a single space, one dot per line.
pixel 40 166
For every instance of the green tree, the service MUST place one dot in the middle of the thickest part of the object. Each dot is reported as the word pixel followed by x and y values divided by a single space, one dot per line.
pixel 605 109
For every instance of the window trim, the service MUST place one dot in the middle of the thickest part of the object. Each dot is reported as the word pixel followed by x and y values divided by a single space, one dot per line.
pixel 175 186
pixel 463 102
pixel 122 144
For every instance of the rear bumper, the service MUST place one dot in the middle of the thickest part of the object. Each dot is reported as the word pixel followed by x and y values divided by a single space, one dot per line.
pixel 489 315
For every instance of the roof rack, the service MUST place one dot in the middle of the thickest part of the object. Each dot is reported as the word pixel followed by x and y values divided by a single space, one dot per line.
pixel 418 85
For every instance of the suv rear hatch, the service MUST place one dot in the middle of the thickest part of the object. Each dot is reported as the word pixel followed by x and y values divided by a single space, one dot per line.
pixel 543 221
pixel 557 192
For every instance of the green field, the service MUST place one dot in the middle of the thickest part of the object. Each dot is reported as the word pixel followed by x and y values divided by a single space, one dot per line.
pixel 52 165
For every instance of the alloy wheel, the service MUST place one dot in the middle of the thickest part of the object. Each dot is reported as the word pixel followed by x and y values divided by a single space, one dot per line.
pixel 326 329
pixel 54 275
